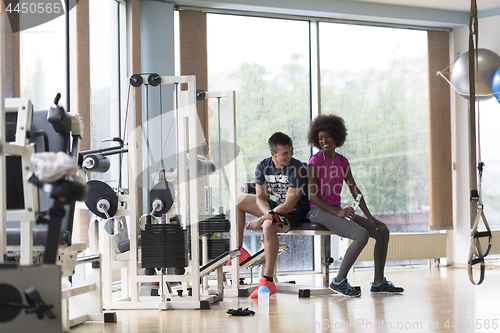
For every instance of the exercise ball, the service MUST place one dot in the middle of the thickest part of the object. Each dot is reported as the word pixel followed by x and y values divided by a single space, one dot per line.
pixel 495 85
pixel 487 63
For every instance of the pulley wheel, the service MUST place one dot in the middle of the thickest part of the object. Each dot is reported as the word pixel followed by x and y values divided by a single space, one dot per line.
pixel 154 79
pixel 200 94
pixel 136 80
pixel 163 191
pixel 100 190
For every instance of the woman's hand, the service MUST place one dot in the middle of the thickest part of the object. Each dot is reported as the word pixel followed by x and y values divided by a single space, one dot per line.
pixel 375 222
pixel 346 212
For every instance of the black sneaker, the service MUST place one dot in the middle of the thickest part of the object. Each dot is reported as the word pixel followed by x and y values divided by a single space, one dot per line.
pixel 385 287
pixel 343 287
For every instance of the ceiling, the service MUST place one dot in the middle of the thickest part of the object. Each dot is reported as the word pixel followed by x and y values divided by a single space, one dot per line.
pixel 435 14
pixel 458 5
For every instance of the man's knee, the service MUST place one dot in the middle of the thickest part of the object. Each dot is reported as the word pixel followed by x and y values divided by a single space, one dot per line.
pixel 268 229
pixel 245 202
pixel 240 199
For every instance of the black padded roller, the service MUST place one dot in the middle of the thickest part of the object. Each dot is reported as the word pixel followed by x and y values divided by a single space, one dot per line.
pixel 96 163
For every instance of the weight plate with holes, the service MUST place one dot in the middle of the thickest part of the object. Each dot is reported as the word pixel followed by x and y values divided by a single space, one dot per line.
pixel 164 191
pixel 9 294
pixel 100 190
pixel 136 80
pixel 154 79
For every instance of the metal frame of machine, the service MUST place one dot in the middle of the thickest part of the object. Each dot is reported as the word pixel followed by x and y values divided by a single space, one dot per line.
pixel 187 196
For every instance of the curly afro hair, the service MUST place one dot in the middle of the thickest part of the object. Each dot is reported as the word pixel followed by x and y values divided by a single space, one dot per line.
pixel 332 124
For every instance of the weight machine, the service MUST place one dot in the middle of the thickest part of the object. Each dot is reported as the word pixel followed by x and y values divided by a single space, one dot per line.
pixel 168 235
pixel 50 202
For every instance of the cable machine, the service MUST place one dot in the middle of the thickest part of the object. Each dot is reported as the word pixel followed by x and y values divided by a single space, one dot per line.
pixel 168 235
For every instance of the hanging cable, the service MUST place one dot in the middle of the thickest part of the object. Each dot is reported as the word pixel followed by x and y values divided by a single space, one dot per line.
pixel 476 254
pixel 123 139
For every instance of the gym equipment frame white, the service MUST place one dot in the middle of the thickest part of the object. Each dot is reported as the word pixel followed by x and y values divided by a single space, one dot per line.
pixel 188 194
pixel 229 116
pixel 22 147
pixel 79 303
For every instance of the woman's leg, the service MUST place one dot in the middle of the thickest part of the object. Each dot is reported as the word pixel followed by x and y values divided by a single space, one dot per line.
pixel 343 228
pixel 381 237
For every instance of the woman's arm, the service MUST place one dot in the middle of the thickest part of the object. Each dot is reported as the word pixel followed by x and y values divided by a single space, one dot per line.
pixel 313 190
pixel 351 183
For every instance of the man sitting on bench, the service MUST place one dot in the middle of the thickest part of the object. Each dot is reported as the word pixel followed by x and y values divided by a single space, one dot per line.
pixel 280 202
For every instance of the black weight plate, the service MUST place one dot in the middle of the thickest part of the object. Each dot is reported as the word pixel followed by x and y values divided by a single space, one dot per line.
pixel 164 191
pixel 9 294
pixel 100 190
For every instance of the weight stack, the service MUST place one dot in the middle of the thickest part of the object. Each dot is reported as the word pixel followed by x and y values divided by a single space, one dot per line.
pixel 164 246
pixel 216 246
pixel 212 224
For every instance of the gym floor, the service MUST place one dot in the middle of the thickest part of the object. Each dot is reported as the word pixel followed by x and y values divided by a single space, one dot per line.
pixel 435 300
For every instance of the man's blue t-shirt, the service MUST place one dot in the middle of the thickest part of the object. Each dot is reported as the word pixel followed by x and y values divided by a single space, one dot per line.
pixel 278 182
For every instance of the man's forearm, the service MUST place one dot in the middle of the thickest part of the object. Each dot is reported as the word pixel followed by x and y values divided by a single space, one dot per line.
pixel 263 206
pixel 284 208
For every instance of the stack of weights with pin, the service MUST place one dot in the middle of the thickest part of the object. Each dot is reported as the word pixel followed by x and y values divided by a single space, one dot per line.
pixel 214 227
pixel 164 246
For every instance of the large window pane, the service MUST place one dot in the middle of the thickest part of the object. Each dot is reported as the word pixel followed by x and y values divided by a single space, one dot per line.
pixel 104 80
pixel 489 119
pixel 43 63
pixel 266 61
pixel 376 79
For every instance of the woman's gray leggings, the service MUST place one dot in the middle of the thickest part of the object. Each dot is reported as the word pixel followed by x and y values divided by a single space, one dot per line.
pixel 358 230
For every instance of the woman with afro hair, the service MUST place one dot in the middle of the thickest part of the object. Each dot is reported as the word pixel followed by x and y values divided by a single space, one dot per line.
pixel 327 170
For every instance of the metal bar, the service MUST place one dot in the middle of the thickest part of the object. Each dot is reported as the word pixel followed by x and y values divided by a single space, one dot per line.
pixel 87 259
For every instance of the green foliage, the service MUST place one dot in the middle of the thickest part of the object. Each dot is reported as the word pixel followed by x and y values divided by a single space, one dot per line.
pixel 386 115
pixel 266 106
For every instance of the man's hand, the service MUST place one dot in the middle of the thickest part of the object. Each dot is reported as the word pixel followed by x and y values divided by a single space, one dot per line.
pixel 253 225
pixel 278 219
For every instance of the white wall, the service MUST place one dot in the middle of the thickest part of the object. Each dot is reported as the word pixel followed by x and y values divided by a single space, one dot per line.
pixel 460 240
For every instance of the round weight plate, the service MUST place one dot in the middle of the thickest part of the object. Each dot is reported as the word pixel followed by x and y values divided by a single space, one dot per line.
pixel 11 295
pixel 99 190
pixel 163 191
